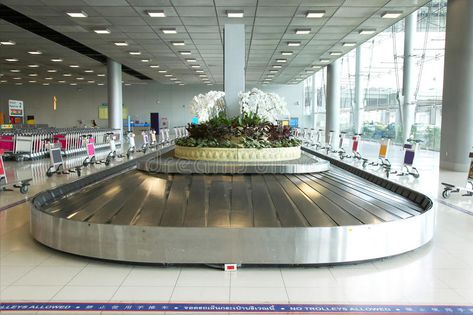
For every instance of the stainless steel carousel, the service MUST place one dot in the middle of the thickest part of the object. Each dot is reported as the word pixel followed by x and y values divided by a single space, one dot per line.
pixel 158 209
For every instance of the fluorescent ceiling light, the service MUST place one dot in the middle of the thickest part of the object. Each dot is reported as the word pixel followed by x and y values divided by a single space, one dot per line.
pixel 18 83
pixel 195 66
pixel 72 83
pixel 45 83
pixel 287 53
pixel 324 60
pixel 33 66
pixel 52 70
pixel 281 60
pixel 74 66
pixel 366 32
pixel 168 75
pixel 121 44
pixel 7 43
pixel 67 75
pixel 316 67
pixel 162 71
pixel 277 66
pixel 32 81
pixel 270 76
pixel 16 78
pixel 14 70
pixel 127 84
pixel 79 14
pixel 89 71
pixel 178 43
pixel 135 53
pixel 293 44
pixel 335 53
pixel 154 66
pixel 91 81
pixel 145 60
pixel 11 59
pixel 169 31
pixel 156 13
pixel 235 13
pixel 35 52
pixel 102 31
pixel 199 71
pixel 62 81
pixel 101 75
pixel 80 78
pixel 311 14
pixel 173 79
pixel 349 44
pixel 181 84
pixel 191 60
pixel 56 60
pixel 48 78
pixel 391 14
pixel 268 79
pixel 202 75
pixel 184 53
pixel 302 31
pixel 100 83
pixel 309 71
pixel 273 71
pixel 33 75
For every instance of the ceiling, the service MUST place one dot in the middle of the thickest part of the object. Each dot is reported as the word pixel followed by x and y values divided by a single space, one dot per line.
pixel 269 25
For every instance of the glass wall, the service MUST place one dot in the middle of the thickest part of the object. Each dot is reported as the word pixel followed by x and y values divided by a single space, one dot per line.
pixel 381 81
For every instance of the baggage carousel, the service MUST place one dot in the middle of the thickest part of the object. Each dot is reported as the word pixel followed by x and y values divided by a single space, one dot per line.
pixel 315 214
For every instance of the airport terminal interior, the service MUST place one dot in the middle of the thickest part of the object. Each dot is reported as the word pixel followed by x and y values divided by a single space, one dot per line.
pixel 236 156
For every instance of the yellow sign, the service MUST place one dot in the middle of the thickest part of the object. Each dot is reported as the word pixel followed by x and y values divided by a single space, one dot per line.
pixel 103 112
pixel 54 103
pixel 7 126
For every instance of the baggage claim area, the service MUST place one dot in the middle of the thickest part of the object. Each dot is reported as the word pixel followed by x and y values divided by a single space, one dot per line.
pixel 151 165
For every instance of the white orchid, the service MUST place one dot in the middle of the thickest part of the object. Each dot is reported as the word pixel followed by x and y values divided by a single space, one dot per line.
pixel 266 105
pixel 206 106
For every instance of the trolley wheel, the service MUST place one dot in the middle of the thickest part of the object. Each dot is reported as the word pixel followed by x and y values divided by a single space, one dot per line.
pixel 446 193
pixel 49 172
pixel 415 173
pixel 78 170
pixel 387 173
pixel 85 163
pixel 24 189
pixel 93 160
pixel 342 156
pixel 365 161
pixel 107 161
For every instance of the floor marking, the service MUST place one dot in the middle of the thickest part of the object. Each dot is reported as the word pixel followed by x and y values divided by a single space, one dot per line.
pixel 236 308
pixel 448 204
pixel 14 204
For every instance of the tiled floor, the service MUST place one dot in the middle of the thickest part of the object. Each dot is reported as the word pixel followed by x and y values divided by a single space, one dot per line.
pixel 439 273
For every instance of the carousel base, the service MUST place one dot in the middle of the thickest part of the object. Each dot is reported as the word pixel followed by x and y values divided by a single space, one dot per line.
pixel 315 218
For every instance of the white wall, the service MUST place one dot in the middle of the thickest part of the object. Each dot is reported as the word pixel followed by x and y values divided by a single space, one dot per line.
pixel 74 103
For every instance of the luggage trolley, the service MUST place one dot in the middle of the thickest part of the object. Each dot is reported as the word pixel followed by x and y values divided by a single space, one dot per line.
pixel 341 140
pixel 328 144
pixel 383 152
pixel 410 149
pixel 145 145
pixel 131 143
pixel 449 188
pixel 22 185
pixel 111 138
pixel 57 163
pixel 154 140
pixel 89 142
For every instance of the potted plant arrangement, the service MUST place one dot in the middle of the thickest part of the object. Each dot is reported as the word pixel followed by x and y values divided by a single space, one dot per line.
pixel 252 136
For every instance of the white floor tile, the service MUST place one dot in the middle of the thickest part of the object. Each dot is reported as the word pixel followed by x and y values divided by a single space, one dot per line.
pixel 101 276
pixel 152 276
pixel 203 277
pixel 261 295
pixel 145 293
pixel 436 296
pixel 466 293
pixel 257 277
pixel 85 293
pixel 29 293
pixel 24 258
pixel 201 294
pixel 60 259
pixel 308 277
pixel 317 295
pixel 48 276
pixel 456 278
pixel 10 274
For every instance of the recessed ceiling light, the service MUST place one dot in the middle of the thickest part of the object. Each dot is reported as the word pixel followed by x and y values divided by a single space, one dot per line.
pixel 168 75
pixel 45 83
pixel 178 43
pixel 309 71
pixel 14 70
pixel 302 31
pixel 293 44
pixel 324 60
pixel 102 31
pixel 33 66
pixel 67 75
pixel 33 75
pixel 127 84
pixel 335 53
pixel 311 14
pixel 268 79
pixel 202 75
pixel 32 81
pixel 235 13
pixel 191 60
pixel 281 60
pixel 18 83
pixel 145 60
pixel 270 76
pixel 199 71
pixel 169 31
pixel 80 78
pixel 162 71
pixel 35 52
pixel 101 75
pixel 89 71
pixel 349 44
pixel 181 84
pixel 156 13
pixel 287 53
pixel 56 60
pixel 121 44
pixel 391 14
pixel 173 79
pixel 100 83
pixel 48 78
pixel 61 81
pixel 79 14
pixel 195 66
pixel 154 66
pixel 277 66
pixel 52 70
pixel 7 43
pixel 366 32
pixel 273 71
pixel 11 59
pixel 74 66
pixel 16 78
pixel 135 53
pixel 209 84
pixel 184 53
pixel 91 81
pixel 72 83
pixel 316 67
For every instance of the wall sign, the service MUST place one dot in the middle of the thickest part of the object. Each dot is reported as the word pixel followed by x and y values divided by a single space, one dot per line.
pixel 103 112
pixel 15 108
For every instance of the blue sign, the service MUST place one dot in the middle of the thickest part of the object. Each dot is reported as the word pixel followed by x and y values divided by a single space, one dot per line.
pixel 195 120
pixel 237 308
pixel 294 122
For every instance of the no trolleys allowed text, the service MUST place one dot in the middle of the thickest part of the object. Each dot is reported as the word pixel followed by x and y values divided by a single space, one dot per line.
pixel 236 308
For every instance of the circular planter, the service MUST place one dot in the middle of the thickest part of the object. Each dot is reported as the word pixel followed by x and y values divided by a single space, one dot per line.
pixel 237 154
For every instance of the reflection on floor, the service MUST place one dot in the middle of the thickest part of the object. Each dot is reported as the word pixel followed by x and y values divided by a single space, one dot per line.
pixel 439 273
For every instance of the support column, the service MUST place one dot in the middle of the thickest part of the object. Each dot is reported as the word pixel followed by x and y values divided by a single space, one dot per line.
pixel 358 108
pixel 115 100
pixel 234 66
pixel 457 109
pixel 332 117
pixel 408 84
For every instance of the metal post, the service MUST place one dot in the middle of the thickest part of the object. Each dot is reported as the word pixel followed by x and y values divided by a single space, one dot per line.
pixel 457 109
pixel 332 118
pixel 358 108
pixel 115 100
pixel 408 84
pixel 234 66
